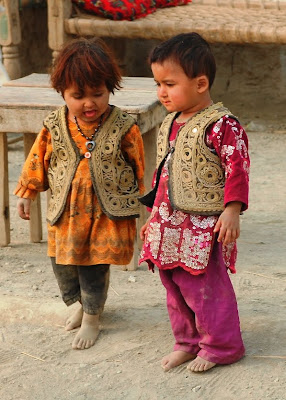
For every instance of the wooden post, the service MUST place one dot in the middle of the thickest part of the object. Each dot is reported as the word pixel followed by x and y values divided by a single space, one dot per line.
pixel 10 37
pixel 58 10
pixel 36 233
pixel 4 192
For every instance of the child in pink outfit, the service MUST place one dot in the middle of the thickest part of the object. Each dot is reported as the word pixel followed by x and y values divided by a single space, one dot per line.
pixel 191 233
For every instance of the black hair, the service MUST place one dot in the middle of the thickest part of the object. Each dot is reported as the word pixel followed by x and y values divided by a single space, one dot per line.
pixel 190 51
pixel 85 62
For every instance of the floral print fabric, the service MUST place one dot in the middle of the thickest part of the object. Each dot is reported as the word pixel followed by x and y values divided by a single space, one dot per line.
pixel 175 238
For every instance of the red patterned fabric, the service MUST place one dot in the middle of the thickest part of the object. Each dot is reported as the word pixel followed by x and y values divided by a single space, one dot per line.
pixel 178 239
pixel 125 9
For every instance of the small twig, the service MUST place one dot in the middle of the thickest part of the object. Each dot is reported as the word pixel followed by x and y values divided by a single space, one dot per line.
pixel 265 276
pixel 279 357
pixel 20 272
pixel 29 355
pixel 279 131
pixel 114 290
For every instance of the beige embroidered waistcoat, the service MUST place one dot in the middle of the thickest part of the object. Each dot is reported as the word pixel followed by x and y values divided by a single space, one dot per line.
pixel 113 178
pixel 196 177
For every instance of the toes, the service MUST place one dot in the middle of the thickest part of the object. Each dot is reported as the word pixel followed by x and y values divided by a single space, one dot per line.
pixel 192 367
pixel 74 344
pixel 200 365
pixel 82 344
pixel 166 367
pixel 89 343
pixel 165 364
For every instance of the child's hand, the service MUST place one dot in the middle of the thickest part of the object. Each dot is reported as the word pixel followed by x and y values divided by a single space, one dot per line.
pixel 228 223
pixel 143 229
pixel 23 207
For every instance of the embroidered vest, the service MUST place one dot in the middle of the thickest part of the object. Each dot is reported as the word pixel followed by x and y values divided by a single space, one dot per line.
pixel 196 177
pixel 113 178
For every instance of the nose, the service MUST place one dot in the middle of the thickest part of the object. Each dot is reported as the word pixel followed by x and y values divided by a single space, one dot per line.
pixel 88 102
pixel 161 91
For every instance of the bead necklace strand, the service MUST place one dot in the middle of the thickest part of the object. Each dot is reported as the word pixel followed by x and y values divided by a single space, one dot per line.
pixel 90 143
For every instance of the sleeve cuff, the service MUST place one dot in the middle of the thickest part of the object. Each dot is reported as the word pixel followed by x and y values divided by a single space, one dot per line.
pixel 24 192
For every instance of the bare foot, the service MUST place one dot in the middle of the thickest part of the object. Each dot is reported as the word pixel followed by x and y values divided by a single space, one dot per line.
pixel 74 321
pixel 200 365
pixel 175 358
pixel 87 335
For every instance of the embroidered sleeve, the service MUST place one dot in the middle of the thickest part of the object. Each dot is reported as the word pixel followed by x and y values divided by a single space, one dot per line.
pixel 133 150
pixel 33 178
pixel 229 140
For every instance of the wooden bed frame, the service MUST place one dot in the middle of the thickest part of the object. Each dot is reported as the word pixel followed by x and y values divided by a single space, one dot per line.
pixel 218 21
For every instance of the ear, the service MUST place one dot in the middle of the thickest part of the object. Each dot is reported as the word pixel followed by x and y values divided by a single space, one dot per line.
pixel 202 83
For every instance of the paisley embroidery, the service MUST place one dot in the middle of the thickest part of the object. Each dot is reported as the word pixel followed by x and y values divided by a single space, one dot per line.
pixel 200 179
pixel 114 182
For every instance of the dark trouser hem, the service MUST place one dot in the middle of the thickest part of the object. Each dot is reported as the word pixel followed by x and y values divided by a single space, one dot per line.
pixel 90 311
pixel 87 284
pixel 70 301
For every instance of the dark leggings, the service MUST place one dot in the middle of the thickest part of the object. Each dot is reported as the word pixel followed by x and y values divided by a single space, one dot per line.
pixel 86 284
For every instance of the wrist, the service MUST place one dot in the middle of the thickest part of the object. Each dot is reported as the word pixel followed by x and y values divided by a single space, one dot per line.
pixel 234 206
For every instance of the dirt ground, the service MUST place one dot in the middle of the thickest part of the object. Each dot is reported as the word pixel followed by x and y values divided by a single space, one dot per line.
pixel 36 358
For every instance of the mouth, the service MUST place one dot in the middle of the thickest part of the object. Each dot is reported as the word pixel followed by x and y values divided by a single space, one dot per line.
pixel 89 114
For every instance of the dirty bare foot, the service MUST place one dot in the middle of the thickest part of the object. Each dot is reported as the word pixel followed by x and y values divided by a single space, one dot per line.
pixel 200 365
pixel 87 335
pixel 175 358
pixel 74 321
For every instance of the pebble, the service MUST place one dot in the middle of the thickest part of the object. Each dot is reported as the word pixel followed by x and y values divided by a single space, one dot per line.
pixel 131 278
pixel 196 389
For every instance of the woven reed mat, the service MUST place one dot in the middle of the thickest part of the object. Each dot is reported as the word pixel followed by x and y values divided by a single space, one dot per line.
pixel 218 21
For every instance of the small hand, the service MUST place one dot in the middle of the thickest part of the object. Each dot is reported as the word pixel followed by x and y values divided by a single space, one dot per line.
pixel 23 207
pixel 228 223
pixel 144 229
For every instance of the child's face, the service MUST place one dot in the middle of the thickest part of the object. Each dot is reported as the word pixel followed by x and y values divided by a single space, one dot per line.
pixel 87 106
pixel 176 91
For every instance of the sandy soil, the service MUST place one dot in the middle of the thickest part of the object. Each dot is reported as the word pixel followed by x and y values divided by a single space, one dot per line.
pixel 36 358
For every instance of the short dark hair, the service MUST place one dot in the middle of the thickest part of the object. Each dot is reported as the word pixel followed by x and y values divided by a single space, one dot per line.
pixel 85 62
pixel 190 51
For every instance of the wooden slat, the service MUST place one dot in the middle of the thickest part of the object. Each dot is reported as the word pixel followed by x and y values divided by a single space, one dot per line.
pixel 36 233
pixel 4 192
pixel 23 109
pixel 217 24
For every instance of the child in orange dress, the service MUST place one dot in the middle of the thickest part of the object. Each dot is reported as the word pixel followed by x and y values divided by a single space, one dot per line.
pixel 90 155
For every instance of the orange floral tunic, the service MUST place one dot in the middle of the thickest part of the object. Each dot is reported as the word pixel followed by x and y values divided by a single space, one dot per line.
pixel 83 235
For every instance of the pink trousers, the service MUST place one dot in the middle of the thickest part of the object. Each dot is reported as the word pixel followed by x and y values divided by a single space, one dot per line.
pixel 203 311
